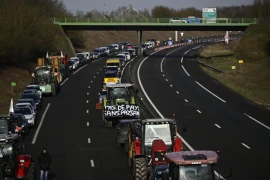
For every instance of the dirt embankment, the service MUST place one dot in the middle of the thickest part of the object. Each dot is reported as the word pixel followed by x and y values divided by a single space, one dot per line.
pixel 250 79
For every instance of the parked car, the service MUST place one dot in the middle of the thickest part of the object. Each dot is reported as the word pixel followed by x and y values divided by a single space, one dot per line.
pixel 34 86
pixel 82 59
pixel 127 55
pixel 35 97
pixel 72 65
pixel 29 115
pixel 20 123
pixel 76 59
pixel 28 100
pixel 132 52
pixel 29 91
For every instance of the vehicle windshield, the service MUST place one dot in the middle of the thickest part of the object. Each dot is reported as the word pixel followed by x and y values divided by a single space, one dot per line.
pixel 113 64
pixel 70 62
pixel 33 87
pixel 3 127
pixel 119 93
pixel 31 96
pixel 31 102
pixel 24 111
pixel 112 69
pixel 30 91
pixel 196 172
pixel 43 72
pixel 109 75
pixel 17 106
pixel 157 131
pixel 96 50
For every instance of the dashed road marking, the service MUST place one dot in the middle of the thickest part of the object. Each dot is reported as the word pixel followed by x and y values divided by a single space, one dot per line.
pixel 163 75
pixel 87 111
pixel 217 126
pixel 267 127
pixel 245 145
pixel 199 111
pixel 186 100
pixel 185 70
pixel 171 85
pixel 87 101
pixel 87 124
pixel 166 79
pixel 210 92
pixel 97 72
pixel 89 140
pixel 88 93
pixel 177 92
pixel 63 82
pixel 182 59
pixel 91 81
pixel 94 76
pixel 92 163
pixel 88 86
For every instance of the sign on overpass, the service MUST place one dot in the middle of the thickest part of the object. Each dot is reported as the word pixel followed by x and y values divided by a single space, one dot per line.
pixel 209 15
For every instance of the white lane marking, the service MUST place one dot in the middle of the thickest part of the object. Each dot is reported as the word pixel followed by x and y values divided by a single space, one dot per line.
pixel 94 76
pixel 126 66
pixel 161 63
pixel 97 72
pixel 210 92
pixel 186 100
pixel 79 69
pixel 166 79
pixel 92 163
pixel 155 108
pixel 171 85
pixel 217 126
pixel 177 92
pixel 89 86
pixel 187 51
pixel 182 59
pixel 89 140
pixel 88 93
pixel 199 111
pixel 97 60
pixel 163 75
pixel 40 124
pixel 245 145
pixel 91 81
pixel 87 124
pixel 87 101
pixel 101 69
pixel 252 118
pixel 185 70
pixel 87 111
pixel 63 82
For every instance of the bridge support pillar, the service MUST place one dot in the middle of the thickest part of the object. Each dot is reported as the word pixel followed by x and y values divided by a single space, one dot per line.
pixel 139 34
pixel 176 36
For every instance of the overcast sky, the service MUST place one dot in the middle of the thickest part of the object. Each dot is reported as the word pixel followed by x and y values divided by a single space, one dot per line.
pixel 87 5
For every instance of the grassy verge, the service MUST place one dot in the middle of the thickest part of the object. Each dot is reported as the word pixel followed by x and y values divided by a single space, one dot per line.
pixel 8 75
pixel 254 80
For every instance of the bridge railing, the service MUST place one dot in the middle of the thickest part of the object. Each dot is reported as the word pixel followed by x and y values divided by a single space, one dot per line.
pixel 153 20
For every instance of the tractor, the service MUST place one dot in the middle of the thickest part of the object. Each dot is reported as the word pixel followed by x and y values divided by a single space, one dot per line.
pixel 142 139
pixel 118 104
pixel 187 165
pixel 49 76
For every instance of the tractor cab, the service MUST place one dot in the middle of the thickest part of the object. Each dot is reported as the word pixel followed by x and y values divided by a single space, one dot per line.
pixel 187 165
pixel 162 129
pixel 118 94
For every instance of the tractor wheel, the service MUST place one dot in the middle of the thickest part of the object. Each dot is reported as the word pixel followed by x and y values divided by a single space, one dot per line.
pixel 107 124
pixel 54 89
pixel 140 169
pixel 31 173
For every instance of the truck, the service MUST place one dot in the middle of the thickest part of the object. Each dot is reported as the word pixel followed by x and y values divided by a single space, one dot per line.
pixel 50 75
pixel 141 137
pixel 187 165
pixel 118 104
pixel 114 62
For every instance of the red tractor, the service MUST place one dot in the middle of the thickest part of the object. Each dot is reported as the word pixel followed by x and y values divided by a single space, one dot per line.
pixel 148 140
pixel 188 165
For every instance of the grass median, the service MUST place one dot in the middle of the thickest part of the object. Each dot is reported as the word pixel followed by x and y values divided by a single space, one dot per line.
pixel 250 79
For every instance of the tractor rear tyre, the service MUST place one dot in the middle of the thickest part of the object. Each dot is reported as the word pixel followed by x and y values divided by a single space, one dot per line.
pixel 31 173
pixel 140 169
pixel 54 89
pixel 107 124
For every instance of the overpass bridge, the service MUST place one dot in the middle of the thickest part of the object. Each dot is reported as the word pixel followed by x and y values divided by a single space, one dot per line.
pixel 153 24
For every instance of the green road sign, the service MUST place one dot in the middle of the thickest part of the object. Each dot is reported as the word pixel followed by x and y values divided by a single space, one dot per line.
pixel 13 84
pixel 209 14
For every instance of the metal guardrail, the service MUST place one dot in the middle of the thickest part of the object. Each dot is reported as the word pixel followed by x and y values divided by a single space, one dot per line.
pixel 203 21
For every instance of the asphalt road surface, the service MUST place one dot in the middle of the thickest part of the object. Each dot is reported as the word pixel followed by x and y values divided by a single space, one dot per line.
pixel 71 130
pixel 216 117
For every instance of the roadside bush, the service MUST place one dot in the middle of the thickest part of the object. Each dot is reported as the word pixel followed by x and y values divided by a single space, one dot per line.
pixel 77 39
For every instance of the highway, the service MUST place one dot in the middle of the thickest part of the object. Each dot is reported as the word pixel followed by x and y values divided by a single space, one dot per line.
pixel 71 130
pixel 216 117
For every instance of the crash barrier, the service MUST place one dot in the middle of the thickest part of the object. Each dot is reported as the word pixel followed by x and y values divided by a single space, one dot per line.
pixel 193 42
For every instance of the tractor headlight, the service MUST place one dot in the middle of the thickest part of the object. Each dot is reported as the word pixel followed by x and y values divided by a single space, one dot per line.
pixel 7 150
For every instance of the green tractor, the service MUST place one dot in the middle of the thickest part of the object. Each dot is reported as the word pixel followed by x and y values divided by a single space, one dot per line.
pixel 50 76
pixel 118 104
